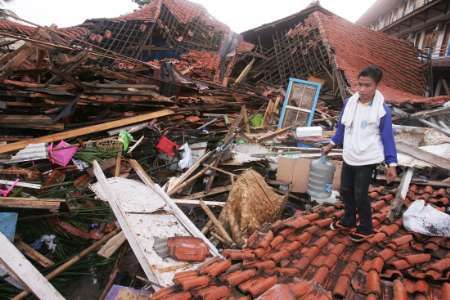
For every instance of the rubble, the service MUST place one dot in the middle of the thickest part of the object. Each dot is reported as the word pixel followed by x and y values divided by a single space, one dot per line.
pixel 158 154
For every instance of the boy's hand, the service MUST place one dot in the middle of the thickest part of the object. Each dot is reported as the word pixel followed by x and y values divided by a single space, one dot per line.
pixel 326 149
pixel 391 174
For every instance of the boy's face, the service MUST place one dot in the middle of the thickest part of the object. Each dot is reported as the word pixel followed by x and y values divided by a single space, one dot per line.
pixel 366 87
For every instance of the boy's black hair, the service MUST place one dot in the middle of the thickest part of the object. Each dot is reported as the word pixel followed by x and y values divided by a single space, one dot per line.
pixel 373 72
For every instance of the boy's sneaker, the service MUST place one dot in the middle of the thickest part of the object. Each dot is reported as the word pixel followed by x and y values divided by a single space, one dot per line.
pixel 358 237
pixel 337 225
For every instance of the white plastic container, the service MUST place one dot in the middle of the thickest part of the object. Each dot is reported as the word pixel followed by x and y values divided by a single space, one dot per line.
pixel 308 131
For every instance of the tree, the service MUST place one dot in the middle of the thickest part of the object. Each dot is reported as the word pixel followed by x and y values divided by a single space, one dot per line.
pixel 142 2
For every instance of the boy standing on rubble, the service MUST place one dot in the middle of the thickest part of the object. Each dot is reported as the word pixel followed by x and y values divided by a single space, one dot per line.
pixel 365 131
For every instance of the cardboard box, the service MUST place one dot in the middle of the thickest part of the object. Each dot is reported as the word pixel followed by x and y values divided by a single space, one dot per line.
pixel 295 171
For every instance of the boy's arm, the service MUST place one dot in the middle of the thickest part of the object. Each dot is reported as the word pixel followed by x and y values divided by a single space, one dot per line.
pixel 387 138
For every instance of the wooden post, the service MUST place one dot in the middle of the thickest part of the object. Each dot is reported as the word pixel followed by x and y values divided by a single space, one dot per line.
pixel 118 160
pixel 245 118
pixel 216 223
pixel 397 203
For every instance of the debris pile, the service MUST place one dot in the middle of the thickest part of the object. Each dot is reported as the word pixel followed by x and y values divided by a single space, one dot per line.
pixel 158 154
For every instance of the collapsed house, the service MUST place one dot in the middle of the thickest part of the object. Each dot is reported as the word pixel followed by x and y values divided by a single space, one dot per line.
pixel 210 202
pixel 315 42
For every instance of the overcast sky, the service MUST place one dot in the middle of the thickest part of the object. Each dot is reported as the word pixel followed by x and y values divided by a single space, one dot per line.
pixel 240 15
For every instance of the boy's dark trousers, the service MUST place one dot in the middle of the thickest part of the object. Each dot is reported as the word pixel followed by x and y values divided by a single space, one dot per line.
pixel 355 181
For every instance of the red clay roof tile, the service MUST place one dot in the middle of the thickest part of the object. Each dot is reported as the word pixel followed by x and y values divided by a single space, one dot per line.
pixel 292 246
pixel 260 239
pixel 321 274
pixel 377 238
pixel 217 268
pixel 312 252
pixel 312 217
pixel 400 264
pixel 287 271
pixel 277 256
pixel 301 288
pixel 239 277
pixel 264 265
pixel 386 254
pixel 278 291
pixel 260 252
pixel 324 222
pixel 245 286
pixel 341 287
pixel 377 264
pixel 287 231
pixel 276 241
pixel 349 269
pixel 445 291
pixel 162 293
pixel 440 265
pixel 213 292
pixel 373 282
pixel 179 296
pixel 301 263
pixel 338 249
pixel 357 256
pixel 188 283
pixel 238 254
pixel 405 239
pixel 399 291
pixel 262 286
pixel 330 261
pixel 417 258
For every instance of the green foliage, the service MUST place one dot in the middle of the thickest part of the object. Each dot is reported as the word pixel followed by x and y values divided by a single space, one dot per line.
pixel 142 2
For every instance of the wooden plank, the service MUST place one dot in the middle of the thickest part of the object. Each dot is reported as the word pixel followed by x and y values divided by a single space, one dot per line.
pixel 419 181
pixel 223 233
pixel 188 173
pixel 111 246
pixel 429 113
pixel 18 202
pixel 402 190
pixel 35 186
pixel 197 202
pixel 33 254
pixel 85 130
pixel 17 264
pixel 213 191
pixel 425 156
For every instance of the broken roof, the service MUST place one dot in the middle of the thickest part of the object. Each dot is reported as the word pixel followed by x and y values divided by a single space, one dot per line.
pixel 18 28
pixel 184 11
pixel 353 47
pixel 302 254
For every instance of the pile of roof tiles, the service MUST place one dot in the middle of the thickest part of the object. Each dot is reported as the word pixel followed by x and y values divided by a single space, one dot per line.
pixel 301 257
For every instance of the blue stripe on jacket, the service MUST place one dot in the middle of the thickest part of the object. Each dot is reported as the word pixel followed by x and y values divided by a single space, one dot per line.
pixel 386 133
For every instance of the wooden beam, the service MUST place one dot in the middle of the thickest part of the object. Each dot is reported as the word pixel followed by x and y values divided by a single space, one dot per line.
pixel 213 191
pixel 111 246
pixel 18 202
pixel 197 202
pixel 221 230
pixel 18 265
pixel 85 130
pixel 33 254
pixel 402 190
pixel 422 155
